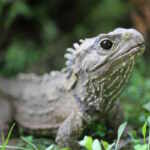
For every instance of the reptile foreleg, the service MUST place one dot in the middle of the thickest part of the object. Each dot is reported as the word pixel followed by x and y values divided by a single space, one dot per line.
pixel 70 130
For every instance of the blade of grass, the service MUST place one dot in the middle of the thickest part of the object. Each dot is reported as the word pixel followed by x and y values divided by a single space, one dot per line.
pixel 7 138
pixel 13 147
pixel 2 137
pixel 144 129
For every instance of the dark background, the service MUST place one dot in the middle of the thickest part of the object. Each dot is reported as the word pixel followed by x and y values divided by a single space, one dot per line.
pixel 34 35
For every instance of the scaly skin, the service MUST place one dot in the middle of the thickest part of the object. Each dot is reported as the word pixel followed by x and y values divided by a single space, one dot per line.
pixel 65 102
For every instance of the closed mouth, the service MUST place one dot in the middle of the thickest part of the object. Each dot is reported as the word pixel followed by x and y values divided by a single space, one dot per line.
pixel 124 57
pixel 132 52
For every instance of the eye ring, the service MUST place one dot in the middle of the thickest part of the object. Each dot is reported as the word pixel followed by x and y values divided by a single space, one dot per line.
pixel 106 44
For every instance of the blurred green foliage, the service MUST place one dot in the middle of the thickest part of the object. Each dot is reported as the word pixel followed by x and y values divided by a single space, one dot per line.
pixel 19 56
pixel 38 32
pixel 136 97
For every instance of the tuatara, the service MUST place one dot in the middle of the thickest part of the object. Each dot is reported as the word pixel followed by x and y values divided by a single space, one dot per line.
pixel 64 102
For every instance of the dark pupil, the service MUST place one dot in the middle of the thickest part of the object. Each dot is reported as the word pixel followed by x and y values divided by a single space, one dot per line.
pixel 106 44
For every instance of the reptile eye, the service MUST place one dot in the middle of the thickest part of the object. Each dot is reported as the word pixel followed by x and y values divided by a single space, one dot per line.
pixel 106 44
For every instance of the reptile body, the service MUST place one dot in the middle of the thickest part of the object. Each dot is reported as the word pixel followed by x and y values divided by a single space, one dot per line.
pixel 65 102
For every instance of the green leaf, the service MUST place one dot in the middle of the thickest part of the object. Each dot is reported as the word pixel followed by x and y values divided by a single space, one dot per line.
pixel 55 147
pixel 111 146
pixel 29 141
pixel 120 132
pixel 51 147
pixel 65 149
pixel 105 144
pixel 87 142
pixel 133 136
pixel 140 147
pixel 121 129
pixel 144 129
pixel 148 121
pixel 147 106
pixel 96 145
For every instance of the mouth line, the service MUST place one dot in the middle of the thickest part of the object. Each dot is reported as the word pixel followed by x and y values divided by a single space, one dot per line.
pixel 123 56
pixel 137 45
pixel 134 50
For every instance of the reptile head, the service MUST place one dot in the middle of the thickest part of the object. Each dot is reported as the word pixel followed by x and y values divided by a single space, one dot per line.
pixel 103 64
pixel 105 52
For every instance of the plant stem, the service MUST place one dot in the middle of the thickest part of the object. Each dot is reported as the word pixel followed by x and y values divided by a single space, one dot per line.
pixel 12 147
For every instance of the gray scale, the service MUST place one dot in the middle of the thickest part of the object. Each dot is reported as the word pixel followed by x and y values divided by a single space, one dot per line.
pixel 100 91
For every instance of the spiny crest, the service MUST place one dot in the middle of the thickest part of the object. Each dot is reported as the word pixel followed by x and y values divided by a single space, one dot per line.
pixel 71 54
